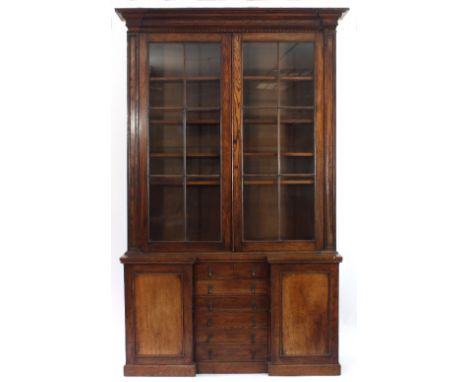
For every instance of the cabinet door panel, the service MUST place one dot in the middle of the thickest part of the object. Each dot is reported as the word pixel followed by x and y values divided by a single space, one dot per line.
pixel 304 300
pixel 159 314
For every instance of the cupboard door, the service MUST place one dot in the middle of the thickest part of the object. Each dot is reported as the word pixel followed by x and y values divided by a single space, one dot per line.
pixel 276 78
pixel 304 314
pixel 159 314
pixel 186 144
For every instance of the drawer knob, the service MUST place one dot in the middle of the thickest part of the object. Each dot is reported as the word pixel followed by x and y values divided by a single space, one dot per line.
pixel 210 289
pixel 210 354
pixel 210 272
pixel 253 353
pixel 253 272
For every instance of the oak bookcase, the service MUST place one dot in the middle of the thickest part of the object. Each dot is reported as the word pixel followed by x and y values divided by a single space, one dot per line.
pixel 231 264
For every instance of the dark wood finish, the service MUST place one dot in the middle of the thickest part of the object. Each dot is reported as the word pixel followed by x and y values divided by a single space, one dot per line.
pixel 240 303
pixel 153 294
pixel 159 370
pixel 233 305
pixel 231 367
pixel 306 369
pixel 304 314
pixel 232 336
pixel 231 287
pixel 229 19
pixel 233 353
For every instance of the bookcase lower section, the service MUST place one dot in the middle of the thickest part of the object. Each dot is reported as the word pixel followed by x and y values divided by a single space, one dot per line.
pixel 231 314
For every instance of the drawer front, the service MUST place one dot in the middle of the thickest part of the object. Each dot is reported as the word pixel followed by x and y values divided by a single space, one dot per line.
pixel 206 352
pixel 232 336
pixel 231 287
pixel 251 270
pixel 231 319
pixel 246 303
pixel 213 271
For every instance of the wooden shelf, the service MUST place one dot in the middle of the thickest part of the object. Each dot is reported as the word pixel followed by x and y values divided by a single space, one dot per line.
pixel 187 78
pixel 180 155
pixel 282 181
pixel 189 122
pixel 274 153
pixel 282 121
pixel 203 183
pixel 275 78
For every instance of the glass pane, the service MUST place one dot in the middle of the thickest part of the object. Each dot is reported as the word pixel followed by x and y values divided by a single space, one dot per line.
pixel 184 142
pixel 203 138
pixel 260 210
pixel 166 60
pixel 166 139
pixel 203 205
pixel 260 58
pixel 300 164
pixel 260 93
pixel 167 94
pixel 278 114
pixel 296 58
pixel 202 59
pixel 297 209
pixel 203 165
pixel 260 138
pixel 203 93
pixel 297 137
pixel 166 213
pixel 297 93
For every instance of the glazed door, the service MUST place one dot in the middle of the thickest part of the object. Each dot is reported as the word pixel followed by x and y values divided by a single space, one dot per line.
pixel 278 141
pixel 186 141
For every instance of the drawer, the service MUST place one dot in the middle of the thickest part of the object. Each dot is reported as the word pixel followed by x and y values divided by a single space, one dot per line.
pixel 251 270
pixel 249 303
pixel 231 287
pixel 205 352
pixel 232 336
pixel 209 271
pixel 230 319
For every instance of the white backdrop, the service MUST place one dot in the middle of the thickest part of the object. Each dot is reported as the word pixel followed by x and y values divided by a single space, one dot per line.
pixel 401 203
